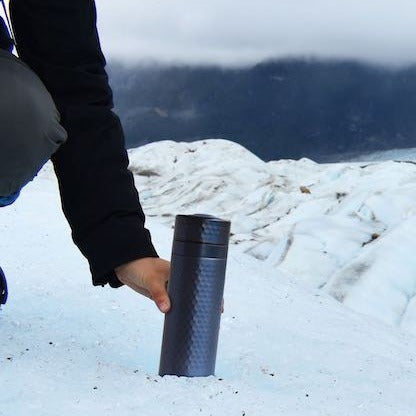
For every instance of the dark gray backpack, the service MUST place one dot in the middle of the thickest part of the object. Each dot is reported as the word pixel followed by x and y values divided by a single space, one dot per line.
pixel 30 130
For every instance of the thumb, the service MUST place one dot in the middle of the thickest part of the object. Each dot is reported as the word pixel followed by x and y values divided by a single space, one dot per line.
pixel 160 296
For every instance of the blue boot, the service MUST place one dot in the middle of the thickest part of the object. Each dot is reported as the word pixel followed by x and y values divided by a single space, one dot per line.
pixel 3 288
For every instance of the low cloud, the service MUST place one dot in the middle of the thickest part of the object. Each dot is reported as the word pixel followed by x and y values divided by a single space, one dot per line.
pixel 243 32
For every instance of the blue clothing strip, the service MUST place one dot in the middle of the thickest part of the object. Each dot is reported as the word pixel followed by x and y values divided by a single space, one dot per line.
pixel 8 200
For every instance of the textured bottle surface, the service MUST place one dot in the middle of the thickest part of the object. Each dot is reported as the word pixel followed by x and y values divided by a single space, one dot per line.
pixel 196 288
pixel 190 337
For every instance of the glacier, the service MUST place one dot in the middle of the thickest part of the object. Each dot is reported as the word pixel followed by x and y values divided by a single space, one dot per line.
pixel 320 309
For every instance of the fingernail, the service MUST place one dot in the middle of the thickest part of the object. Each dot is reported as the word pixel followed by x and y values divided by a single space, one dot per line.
pixel 164 306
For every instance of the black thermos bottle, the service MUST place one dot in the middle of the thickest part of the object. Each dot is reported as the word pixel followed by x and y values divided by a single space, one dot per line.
pixel 196 288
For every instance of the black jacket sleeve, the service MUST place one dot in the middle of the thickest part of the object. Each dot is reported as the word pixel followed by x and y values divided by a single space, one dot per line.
pixel 58 40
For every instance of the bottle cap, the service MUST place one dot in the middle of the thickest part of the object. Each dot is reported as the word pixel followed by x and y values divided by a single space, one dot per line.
pixel 202 228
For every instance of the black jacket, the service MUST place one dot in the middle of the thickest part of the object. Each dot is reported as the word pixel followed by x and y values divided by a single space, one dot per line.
pixel 58 40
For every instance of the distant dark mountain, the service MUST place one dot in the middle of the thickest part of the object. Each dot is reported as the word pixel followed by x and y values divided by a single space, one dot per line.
pixel 279 109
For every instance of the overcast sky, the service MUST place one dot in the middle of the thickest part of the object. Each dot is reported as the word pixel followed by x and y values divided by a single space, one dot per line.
pixel 247 31
pixel 240 32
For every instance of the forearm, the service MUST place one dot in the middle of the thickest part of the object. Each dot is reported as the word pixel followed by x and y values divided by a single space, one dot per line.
pixel 58 39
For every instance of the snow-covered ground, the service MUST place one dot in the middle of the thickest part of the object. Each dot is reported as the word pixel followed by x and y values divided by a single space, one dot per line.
pixel 348 229
pixel 319 312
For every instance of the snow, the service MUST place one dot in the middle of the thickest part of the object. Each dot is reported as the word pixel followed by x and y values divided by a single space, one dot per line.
pixel 347 228
pixel 320 315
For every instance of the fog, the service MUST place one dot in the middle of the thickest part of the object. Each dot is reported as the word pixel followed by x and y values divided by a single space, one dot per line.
pixel 244 32
pixel 239 33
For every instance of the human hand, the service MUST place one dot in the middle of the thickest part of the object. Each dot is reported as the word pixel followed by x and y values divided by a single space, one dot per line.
pixel 148 276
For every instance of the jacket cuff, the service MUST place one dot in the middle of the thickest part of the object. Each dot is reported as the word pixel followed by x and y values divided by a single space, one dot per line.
pixel 116 242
